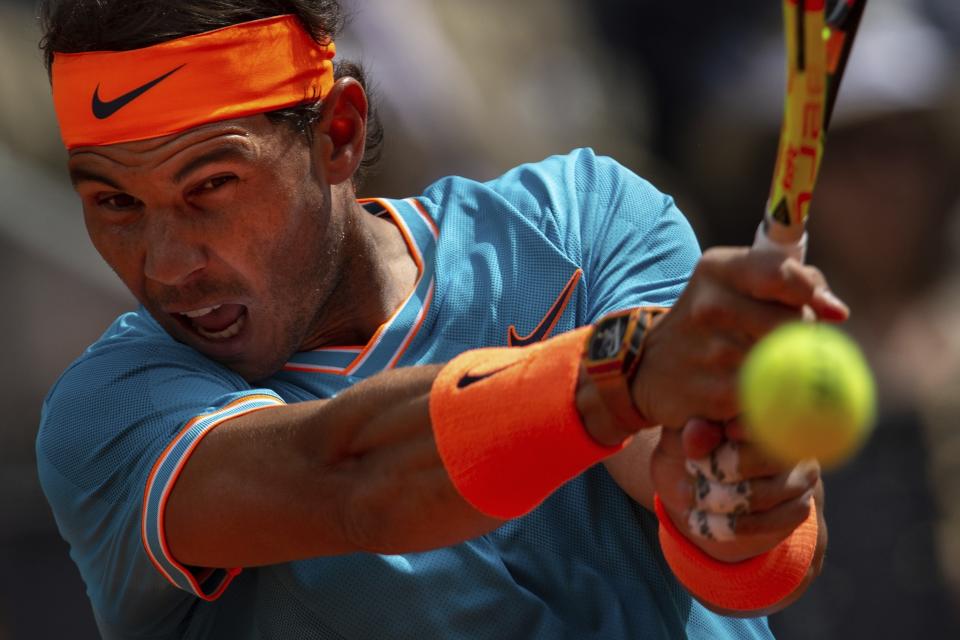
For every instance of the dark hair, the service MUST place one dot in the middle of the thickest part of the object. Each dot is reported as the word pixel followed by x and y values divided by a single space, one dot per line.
pixel 76 26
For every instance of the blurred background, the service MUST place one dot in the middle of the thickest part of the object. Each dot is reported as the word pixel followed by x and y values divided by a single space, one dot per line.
pixel 687 94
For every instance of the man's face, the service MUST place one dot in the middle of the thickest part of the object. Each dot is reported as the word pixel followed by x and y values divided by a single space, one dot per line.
pixel 224 233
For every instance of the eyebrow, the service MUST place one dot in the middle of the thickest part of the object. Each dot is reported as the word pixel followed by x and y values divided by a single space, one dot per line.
pixel 82 175
pixel 78 175
pixel 220 153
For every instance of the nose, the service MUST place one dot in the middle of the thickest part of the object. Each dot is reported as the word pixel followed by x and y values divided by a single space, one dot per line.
pixel 173 254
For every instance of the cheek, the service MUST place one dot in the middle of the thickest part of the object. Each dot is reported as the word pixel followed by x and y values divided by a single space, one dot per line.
pixel 275 251
pixel 297 225
pixel 294 257
pixel 275 235
pixel 120 250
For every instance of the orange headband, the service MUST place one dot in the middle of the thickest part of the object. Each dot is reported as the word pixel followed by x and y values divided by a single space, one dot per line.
pixel 107 97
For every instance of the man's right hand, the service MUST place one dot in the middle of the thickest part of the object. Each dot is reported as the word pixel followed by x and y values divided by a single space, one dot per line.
pixel 692 356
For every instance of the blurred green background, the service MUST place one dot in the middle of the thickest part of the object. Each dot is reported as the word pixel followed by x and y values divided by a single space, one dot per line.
pixel 689 95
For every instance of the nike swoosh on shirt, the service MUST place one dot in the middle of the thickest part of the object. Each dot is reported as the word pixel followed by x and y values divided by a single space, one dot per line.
pixel 103 110
pixel 542 331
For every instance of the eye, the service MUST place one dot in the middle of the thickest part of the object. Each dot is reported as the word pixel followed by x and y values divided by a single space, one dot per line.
pixel 212 184
pixel 118 202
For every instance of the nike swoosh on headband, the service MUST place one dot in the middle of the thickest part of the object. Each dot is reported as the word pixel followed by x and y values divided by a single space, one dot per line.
pixel 103 110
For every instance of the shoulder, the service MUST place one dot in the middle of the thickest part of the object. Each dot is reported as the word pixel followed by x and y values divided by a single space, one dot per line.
pixel 133 344
pixel 125 393
pixel 563 198
pixel 552 185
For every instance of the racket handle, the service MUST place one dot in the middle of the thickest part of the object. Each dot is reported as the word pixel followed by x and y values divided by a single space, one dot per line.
pixel 794 248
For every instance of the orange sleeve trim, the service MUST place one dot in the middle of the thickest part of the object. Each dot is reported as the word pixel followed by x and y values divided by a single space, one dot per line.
pixel 160 482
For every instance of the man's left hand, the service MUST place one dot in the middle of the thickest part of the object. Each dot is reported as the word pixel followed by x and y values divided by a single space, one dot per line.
pixel 725 495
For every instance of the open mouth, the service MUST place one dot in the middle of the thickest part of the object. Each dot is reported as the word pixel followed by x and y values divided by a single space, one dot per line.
pixel 218 323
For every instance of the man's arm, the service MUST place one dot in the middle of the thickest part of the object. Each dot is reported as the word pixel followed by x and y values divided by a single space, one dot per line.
pixel 362 472
pixel 359 472
pixel 734 298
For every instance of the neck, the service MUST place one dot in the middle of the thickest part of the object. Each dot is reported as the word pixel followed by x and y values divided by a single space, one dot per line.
pixel 375 275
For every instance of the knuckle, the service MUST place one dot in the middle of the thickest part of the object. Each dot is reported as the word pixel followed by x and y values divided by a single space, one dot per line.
pixel 761 499
pixel 797 511
pixel 717 261
pixel 763 282
pixel 706 265
pixel 720 401
pixel 748 524
pixel 770 494
pixel 724 354
pixel 708 311
pixel 759 465
pixel 713 256
pixel 800 276
pixel 804 476
pixel 815 275
pixel 769 262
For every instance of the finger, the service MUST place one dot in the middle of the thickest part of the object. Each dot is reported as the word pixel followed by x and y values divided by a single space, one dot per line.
pixel 673 484
pixel 712 526
pixel 754 495
pixel 748 319
pixel 776 522
pixel 769 493
pixel 671 444
pixel 734 461
pixel 776 277
pixel 735 430
pixel 721 497
pixel 760 318
pixel 828 306
pixel 722 465
pixel 699 437
pixel 772 525
pixel 771 276
pixel 716 397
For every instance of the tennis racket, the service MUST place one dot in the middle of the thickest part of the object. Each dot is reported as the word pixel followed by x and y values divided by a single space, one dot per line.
pixel 819 35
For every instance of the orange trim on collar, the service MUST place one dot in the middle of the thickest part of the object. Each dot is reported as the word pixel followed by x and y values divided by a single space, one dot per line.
pixel 109 97
pixel 365 350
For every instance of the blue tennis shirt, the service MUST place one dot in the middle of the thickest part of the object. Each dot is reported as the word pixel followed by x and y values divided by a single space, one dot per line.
pixel 541 250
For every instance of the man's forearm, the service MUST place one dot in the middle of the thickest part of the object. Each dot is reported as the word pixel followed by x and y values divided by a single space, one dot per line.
pixel 360 472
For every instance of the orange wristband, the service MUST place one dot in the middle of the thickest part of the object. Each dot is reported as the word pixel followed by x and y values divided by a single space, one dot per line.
pixel 754 584
pixel 507 427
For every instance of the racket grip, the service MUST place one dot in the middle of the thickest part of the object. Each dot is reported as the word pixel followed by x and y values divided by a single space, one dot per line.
pixel 794 248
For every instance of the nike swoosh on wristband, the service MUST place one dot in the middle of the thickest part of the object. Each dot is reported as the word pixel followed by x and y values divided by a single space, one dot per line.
pixel 542 332
pixel 469 378
pixel 103 110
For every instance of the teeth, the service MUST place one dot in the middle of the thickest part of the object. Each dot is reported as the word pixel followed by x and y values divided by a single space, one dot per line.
pixel 229 332
pixel 201 312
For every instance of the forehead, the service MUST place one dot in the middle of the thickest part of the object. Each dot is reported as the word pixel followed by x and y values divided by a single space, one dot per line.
pixel 251 138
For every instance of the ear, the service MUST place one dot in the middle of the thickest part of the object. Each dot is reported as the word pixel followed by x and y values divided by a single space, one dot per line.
pixel 340 134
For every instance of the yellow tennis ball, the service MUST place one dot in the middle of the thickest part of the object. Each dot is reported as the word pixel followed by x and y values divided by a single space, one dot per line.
pixel 806 391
